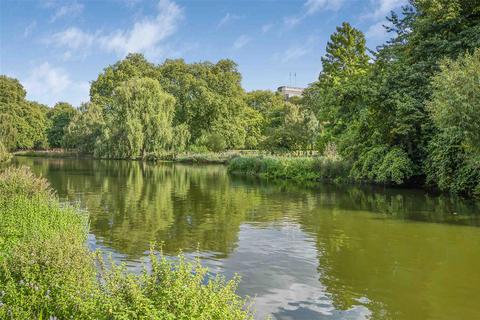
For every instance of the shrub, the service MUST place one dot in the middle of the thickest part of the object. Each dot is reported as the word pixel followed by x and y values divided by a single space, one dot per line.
pixel 46 271
pixel 213 142
pixel 382 164
pixel 172 290
pixel 299 169
pixel 50 277
pixel 16 181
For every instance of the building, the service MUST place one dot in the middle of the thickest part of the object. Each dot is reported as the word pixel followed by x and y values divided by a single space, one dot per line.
pixel 289 92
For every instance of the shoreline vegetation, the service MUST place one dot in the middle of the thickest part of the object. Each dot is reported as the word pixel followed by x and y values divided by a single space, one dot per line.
pixel 297 167
pixel 47 272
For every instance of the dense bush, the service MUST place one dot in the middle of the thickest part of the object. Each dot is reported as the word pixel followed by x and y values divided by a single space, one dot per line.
pixel 299 169
pixel 453 162
pixel 20 181
pixel 212 142
pixel 46 271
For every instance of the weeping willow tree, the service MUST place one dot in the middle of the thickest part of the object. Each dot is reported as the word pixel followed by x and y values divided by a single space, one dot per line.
pixel 138 121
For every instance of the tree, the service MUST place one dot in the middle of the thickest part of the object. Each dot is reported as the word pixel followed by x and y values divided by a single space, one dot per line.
pixel 85 128
pixel 60 117
pixel 138 121
pixel 181 137
pixel 209 98
pixel 22 123
pixel 454 153
pixel 291 128
pixel 375 113
pixel 346 54
pixel 133 66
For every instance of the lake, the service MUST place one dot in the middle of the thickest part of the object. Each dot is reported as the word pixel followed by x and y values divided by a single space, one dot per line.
pixel 324 252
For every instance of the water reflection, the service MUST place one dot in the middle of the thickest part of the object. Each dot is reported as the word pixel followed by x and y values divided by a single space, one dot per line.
pixel 305 253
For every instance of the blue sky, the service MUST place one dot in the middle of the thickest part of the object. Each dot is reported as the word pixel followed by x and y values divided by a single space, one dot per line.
pixel 55 48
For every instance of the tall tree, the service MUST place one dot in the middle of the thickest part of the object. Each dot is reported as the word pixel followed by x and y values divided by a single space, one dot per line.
pixel 454 152
pixel 138 121
pixel 133 66
pixel 209 97
pixel 60 116
pixel 345 54
pixel 22 123
pixel 85 128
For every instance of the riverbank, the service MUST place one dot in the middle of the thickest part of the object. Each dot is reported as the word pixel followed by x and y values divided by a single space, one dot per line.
pixel 54 153
pixel 48 272
pixel 300 169
pixel 184 157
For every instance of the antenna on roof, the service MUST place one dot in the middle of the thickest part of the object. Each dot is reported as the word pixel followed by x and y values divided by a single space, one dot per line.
pixel 295 80
pixel 290 79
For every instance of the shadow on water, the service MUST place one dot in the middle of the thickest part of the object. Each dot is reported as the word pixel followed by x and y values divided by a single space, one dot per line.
pixel 324 252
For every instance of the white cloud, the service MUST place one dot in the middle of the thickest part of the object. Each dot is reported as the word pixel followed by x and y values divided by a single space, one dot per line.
pixel 311 7
pixel 72 38
pixel 146 35
pixel 298 50
pixel 48 84
pixel 376 31
pixel 227 18
pixel 28 29
pixel 241 41
pixel 71 9
pixel 294 53
pixel 383 7
pixel 267 27
pixel 291 22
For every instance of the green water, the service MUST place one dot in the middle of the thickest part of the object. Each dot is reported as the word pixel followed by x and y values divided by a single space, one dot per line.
pixel 303 253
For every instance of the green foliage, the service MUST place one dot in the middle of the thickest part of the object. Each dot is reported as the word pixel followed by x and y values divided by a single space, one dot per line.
pixel 453 162
pixel 4 154
pixel 291 127
pixel 455 101
pixel 209 98
pixel 212 142
pixel 377 114
pixel 297 169
pixel 47 272
pixel 21 181
pixel 23 124
pixel 139 121
pixel 383 165
pixel 346 55
pixel 85 128
pixel 133 66
pixel 181 137
pixel 172 290
pixel 60 117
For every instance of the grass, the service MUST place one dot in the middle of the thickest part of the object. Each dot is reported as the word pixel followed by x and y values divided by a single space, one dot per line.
pixel 46 271
pixel 300 169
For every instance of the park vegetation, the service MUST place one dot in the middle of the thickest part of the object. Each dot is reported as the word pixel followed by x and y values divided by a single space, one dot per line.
pixel 47 272
pixel 405 113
